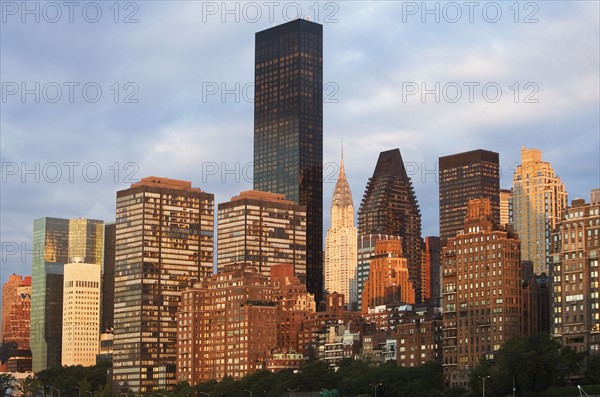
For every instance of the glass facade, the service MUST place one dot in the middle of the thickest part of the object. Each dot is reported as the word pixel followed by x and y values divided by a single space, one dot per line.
pixel 288 126
pixel 262 229
pixel 463 177
pixel 54 240
pixel 389 206
pixel 164 241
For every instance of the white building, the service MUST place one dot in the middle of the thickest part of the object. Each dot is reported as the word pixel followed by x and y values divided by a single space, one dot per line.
pixel 81 313
pixel 341 243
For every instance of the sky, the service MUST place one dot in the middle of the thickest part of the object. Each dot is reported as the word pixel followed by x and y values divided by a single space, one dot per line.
pixel 96 95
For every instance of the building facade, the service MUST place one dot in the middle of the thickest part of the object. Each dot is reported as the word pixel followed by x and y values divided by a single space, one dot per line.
pixel 365 252
pixel 164 241
pixel 54 240
pixel 288 127
pixel 341 243
pixel 538 200
pixel 505 206
pixel 16 306
pixel 389 206
pixel 108 278
pixel 482 307
pixel 227 326
pixel 463 177
pixel 81 313
pixel 389 279
pixel 575 282
pixel 262 229
pixel 432 252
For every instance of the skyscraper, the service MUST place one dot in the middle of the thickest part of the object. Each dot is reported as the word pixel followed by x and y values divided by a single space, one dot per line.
pixel 505 204
pixel 108 278
pixel 262 229
pixel 341 243
pixel 482 308
pixel 54 240
pixel 16 306
pixel 81 313
pixel 433 267
pixel 463 177
pixel 164 240
pixel 538 200
pixel 388 280
pixel 575 270
pixel 288 127
pixel 389 206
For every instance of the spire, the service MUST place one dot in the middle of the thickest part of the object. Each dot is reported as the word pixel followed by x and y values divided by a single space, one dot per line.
pixel 342 197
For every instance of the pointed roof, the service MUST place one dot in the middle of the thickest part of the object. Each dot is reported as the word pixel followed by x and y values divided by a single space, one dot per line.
pixel 390 164
pixel 342 196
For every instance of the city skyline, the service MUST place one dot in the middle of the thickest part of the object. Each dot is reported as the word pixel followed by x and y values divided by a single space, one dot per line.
pixel 369 116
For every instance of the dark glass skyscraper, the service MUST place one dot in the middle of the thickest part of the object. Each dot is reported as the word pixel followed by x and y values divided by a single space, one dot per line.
pixel 466 176
pixel 288 127
pixel 389 206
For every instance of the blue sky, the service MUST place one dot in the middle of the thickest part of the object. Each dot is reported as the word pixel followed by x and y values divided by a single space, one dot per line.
pixel 138 99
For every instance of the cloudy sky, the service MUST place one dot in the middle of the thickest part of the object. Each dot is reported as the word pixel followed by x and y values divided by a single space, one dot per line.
pixel 96 95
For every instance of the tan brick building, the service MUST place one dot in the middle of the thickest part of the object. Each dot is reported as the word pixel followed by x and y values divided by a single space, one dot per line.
pixel 482 308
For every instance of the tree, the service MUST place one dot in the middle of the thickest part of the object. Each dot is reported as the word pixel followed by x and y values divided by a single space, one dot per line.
pixel 30 386
pixel 7 381
pixel 592 374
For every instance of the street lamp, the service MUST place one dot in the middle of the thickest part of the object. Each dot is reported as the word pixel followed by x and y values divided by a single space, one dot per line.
pixel 582 391
pixel 483 378
pixel 375 386
pixel 291 391
pixel 249 392
pixel 78 388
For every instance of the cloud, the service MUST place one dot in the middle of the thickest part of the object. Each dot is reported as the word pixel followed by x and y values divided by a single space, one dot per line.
pixel 175 129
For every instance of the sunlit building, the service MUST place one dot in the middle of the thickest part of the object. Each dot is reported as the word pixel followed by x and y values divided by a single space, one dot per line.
pixel 81 313
pixel 262 229
pixel 575 277
pixel 482 308
pixel 538 200
pixel 164 241
pixel 341 243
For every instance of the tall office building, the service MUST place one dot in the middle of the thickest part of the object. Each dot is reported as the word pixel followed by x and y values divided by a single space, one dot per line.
pixel 463 177
pixel 108 278
pixel 262 229
pixel 482 308
pixel 288 127
pixel 389 206
pixel 365 252
pixel 538 200
pixel 228 325
pixel 164 240
pixel 505 205
pixel 574 269
pixel 81 313
pixel 341 243
pixel 433 267
pixel 16 307
pixel 54 240
pixel 388 280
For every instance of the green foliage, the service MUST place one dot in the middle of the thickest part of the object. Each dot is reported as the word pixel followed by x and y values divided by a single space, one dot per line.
pixel 6 382
pixel 592 375
pixel 30 386
pixel 536 363
pixel 70 380
pixel 353 378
